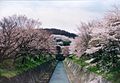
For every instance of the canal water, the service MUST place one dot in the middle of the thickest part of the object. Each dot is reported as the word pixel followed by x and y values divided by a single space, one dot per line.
pixel 59 75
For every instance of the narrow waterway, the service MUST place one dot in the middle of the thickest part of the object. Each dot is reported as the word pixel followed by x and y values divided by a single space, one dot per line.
pixel 59 75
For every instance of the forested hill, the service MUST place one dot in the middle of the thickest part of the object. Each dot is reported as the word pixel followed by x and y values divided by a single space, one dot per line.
pixel 61 32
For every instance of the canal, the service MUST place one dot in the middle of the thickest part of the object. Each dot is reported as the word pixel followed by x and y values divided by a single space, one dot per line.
pixel 59 75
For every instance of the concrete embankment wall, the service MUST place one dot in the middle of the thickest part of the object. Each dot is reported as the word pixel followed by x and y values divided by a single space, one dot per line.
pixel 40 74
pixel 77 74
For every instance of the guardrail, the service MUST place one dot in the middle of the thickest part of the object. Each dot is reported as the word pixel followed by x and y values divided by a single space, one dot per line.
pixel 40 74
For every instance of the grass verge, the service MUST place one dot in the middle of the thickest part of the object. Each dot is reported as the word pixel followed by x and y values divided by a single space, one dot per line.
pixel 111 76
pixel 19 68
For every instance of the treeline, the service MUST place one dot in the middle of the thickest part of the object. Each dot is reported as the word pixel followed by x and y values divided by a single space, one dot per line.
pixel 20 38
pixel 61 32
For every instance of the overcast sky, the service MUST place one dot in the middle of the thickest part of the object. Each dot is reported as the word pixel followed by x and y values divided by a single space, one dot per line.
pixel 61 14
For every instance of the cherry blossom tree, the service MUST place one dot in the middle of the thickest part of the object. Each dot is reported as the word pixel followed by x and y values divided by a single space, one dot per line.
pixel 100 41
pixel 21 36
pixel 81 42
pixel 65 51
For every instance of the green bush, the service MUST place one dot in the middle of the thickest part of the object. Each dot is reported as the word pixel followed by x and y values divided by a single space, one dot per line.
pixel 18 67
pixel 66 43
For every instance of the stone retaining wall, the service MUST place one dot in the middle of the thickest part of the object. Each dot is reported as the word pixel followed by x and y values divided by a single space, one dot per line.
pixel 40 74
pixel 77 74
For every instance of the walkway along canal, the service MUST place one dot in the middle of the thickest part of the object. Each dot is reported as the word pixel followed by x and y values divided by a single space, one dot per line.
pixel 59 74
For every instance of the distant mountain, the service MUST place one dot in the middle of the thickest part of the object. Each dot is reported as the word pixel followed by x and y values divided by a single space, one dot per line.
pixel 61 32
